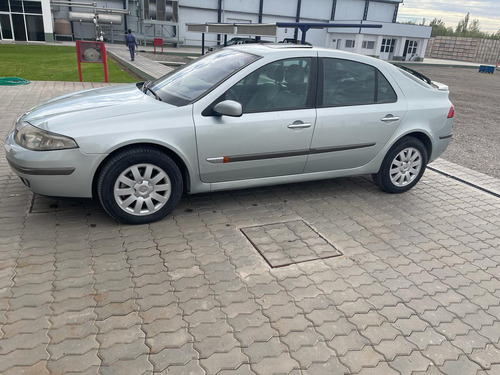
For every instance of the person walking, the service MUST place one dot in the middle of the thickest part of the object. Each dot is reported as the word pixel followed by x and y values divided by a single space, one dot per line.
pixel 131 43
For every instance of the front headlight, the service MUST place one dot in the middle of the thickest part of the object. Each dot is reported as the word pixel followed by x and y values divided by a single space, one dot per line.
pixel 33 138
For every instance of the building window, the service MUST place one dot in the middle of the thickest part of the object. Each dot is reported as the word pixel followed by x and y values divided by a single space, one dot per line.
pixel 32 7
pixel 349 43
pixel 368 45
pixel 4 5
pixel 412 47
pixel 22 20
pixel 388 45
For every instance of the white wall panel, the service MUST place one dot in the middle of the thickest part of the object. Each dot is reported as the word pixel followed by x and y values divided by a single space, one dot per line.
pixel 285 8
pixel 187 15
pixel 349 10
pixel 208 4
pixel 316 10
pixel 245 6
pixel 380 12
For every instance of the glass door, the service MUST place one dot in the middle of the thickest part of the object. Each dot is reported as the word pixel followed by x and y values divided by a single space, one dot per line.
pixel 19 27
pixel 6 27
pixel 387 49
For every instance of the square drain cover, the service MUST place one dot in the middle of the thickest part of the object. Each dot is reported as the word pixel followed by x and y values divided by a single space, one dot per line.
pixel 283 244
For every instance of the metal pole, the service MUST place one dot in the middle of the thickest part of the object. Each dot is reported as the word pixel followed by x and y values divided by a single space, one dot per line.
pixel 219 18
pixel 261 9
pixel 304 32
pixel 334 9
pixel 297 19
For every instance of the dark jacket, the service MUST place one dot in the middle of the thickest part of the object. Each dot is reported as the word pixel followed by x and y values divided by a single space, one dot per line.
pixel 130 40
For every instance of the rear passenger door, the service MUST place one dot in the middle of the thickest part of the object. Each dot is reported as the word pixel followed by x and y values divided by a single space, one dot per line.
pixel 358 110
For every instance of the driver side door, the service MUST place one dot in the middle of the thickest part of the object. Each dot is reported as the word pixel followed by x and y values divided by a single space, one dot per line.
pixel 273 135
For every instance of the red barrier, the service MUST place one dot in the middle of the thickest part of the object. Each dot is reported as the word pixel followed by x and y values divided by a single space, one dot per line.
pixel 158 42
pixel 91 52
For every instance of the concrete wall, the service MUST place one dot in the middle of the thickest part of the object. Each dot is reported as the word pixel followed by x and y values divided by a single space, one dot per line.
pixel 464 49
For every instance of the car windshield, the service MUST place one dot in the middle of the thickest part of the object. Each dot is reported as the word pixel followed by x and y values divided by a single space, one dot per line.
pixel 187 84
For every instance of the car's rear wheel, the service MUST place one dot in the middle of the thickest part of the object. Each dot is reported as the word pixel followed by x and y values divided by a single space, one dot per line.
pixel 139 186
pixel 403 166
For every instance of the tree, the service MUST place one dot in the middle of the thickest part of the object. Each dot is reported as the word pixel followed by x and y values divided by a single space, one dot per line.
pixel 465 28
pixel 439 28
pixel 475 27
pixel 463 25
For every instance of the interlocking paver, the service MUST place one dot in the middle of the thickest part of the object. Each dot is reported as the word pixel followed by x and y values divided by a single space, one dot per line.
pixel 355 360
pixel 224 361
pixel 462 365
pixel 211 345
pixel 428 337
pixel 416 291
pixel 75 363
pixel 140 365
pixel 283 364
pixel 378 333
pixel 414 362
pixel 441 353
pixel 390 349
pixel 486 357
pixel 352 342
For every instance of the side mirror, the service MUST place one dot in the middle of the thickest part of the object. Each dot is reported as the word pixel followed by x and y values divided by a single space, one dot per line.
pixel 229 108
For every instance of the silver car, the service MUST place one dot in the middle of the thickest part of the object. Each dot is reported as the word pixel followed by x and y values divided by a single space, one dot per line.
pixel 240 117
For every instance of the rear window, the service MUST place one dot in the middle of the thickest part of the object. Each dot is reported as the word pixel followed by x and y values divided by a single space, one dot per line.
pixel 349 83
pixel 414 76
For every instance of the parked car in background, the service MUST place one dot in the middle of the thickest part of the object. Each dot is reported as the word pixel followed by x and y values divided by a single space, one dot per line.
pixel 240 117
pixel 294 41
pixel 237 41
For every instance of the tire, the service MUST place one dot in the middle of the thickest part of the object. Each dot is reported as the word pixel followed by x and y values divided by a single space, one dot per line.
pixel 139 186
pixel 403 166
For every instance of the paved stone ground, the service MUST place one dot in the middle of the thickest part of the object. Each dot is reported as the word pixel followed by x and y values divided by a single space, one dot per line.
pixel 417 289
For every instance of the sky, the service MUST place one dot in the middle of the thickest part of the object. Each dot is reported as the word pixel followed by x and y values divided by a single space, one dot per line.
pixel 452 11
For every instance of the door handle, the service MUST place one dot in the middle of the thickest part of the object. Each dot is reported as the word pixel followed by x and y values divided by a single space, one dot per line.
pixel 389 118
pixel 299 125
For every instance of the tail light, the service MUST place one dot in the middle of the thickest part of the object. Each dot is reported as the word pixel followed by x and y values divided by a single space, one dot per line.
pixel 451 113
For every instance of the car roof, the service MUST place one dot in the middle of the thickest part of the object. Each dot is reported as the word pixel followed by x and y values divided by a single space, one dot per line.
pixel 278 48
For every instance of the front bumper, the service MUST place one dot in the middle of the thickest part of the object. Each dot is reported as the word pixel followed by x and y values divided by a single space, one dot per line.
pixel 62 173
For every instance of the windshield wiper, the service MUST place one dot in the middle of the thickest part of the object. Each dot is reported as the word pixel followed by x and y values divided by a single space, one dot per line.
pixel 154 93
pixel 414 73
pixel 145 88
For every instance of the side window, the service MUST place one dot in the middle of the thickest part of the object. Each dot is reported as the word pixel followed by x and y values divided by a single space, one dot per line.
pixel 352 83
pixel 385 92
pixel 279 85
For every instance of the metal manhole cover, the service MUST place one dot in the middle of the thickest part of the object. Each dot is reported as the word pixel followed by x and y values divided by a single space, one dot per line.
pixel 283 244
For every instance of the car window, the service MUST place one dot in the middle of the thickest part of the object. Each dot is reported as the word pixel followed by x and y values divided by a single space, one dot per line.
pixel 188 83
pixel 352 83
pixel 280 85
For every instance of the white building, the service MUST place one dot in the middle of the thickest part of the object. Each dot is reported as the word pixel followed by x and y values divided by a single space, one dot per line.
pixel 38 20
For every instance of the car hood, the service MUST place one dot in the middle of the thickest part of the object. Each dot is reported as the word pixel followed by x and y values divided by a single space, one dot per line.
pixel 83 106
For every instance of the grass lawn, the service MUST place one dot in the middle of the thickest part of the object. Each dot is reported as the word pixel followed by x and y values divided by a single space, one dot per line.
pixel 54 63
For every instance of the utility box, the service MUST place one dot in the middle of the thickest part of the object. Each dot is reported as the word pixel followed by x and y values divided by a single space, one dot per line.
pixel 486 69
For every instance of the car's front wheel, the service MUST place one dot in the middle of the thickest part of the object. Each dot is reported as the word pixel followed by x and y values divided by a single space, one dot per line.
pixel 139 186
pixel 403 166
